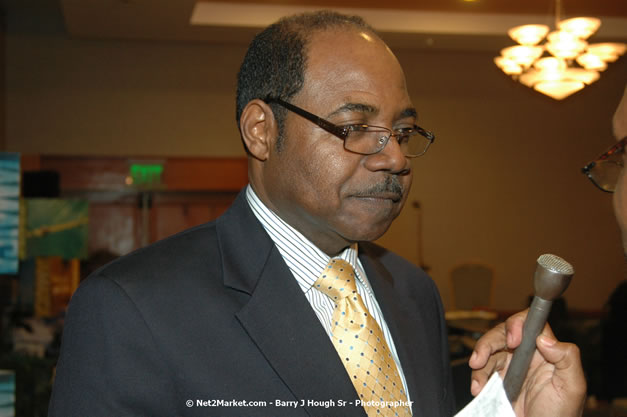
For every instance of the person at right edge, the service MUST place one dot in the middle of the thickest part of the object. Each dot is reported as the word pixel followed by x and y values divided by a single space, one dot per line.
pixel 552 366
pixel 607 173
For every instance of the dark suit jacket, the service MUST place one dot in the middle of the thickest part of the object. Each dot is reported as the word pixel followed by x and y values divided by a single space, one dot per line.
pixel 213 314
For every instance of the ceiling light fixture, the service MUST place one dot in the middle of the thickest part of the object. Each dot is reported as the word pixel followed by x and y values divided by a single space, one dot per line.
pixel 565 63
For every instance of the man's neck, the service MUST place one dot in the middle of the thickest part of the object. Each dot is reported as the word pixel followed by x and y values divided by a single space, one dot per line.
pixel 332 246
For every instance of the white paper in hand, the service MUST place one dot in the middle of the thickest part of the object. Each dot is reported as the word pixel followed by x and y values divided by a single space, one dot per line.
pixel 491 401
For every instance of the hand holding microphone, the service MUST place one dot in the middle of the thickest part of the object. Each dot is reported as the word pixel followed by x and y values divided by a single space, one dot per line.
pixel 551 279
pixel 556 385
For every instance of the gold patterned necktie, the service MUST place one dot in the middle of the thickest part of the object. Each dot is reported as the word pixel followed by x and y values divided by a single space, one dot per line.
pixel 361 345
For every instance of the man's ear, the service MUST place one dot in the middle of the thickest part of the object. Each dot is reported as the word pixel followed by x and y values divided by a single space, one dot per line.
pixel 258 128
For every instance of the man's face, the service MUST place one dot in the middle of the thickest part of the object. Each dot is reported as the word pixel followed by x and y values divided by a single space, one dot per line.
pixel 331 195
pixel 620 194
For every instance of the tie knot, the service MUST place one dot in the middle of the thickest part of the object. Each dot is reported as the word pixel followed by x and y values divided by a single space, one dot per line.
pixel 337 280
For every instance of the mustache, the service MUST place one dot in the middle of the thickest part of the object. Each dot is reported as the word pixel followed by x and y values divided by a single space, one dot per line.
pixel 391 185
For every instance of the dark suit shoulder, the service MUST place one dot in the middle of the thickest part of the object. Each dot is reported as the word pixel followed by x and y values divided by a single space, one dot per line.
pixel 169 279
pixel 193 249
pixel 104 330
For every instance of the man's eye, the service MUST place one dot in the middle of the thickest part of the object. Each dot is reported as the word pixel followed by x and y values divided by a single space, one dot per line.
pixel 358 127
pixel 403 134
pixel 404 129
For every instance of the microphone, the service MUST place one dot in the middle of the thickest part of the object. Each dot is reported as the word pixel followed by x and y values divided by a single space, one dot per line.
pixel 550 280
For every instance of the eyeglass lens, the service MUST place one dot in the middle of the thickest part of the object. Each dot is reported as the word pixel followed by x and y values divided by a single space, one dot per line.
pixel 605 172
pixel 372 141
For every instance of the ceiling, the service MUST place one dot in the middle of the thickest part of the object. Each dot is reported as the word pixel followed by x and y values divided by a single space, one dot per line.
pixel 601 8
pixel 446 24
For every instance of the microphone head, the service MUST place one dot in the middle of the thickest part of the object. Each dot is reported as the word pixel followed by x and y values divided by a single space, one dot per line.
pixel 552 277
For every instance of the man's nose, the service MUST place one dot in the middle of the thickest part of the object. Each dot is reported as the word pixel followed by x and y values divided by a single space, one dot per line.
pixel 390 158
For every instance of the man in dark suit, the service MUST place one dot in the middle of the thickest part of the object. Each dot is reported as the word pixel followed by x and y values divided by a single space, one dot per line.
pixel 229 318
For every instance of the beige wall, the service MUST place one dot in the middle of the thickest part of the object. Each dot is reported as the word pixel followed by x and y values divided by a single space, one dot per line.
pixel 501 184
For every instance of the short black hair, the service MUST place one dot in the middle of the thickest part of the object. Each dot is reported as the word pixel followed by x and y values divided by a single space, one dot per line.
pixel 274 65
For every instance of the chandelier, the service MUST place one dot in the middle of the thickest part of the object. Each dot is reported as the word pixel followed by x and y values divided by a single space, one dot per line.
pixel 565 63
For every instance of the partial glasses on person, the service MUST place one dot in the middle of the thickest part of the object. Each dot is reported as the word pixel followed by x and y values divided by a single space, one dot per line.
pixel 604 171
pixel 366 139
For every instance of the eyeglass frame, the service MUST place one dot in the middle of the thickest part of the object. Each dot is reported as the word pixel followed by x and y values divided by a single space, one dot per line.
pixel 586 170
pixel 342 132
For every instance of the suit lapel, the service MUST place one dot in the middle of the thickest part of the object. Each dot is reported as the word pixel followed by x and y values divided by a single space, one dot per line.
pixel 277 317
pixel 406 328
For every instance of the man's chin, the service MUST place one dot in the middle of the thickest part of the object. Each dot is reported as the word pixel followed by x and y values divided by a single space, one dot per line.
pixel 368 232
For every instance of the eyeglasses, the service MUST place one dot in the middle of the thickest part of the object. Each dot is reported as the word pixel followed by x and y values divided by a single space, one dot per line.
pixel 366 139
pixel 604 171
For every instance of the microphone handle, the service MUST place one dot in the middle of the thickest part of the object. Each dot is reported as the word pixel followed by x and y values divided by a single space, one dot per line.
pixel 517 371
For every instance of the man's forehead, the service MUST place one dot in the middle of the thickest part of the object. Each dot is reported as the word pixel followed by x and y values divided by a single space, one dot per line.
pixel 349 70
pixel 343 41
pixel 620 118
pixel 345 55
